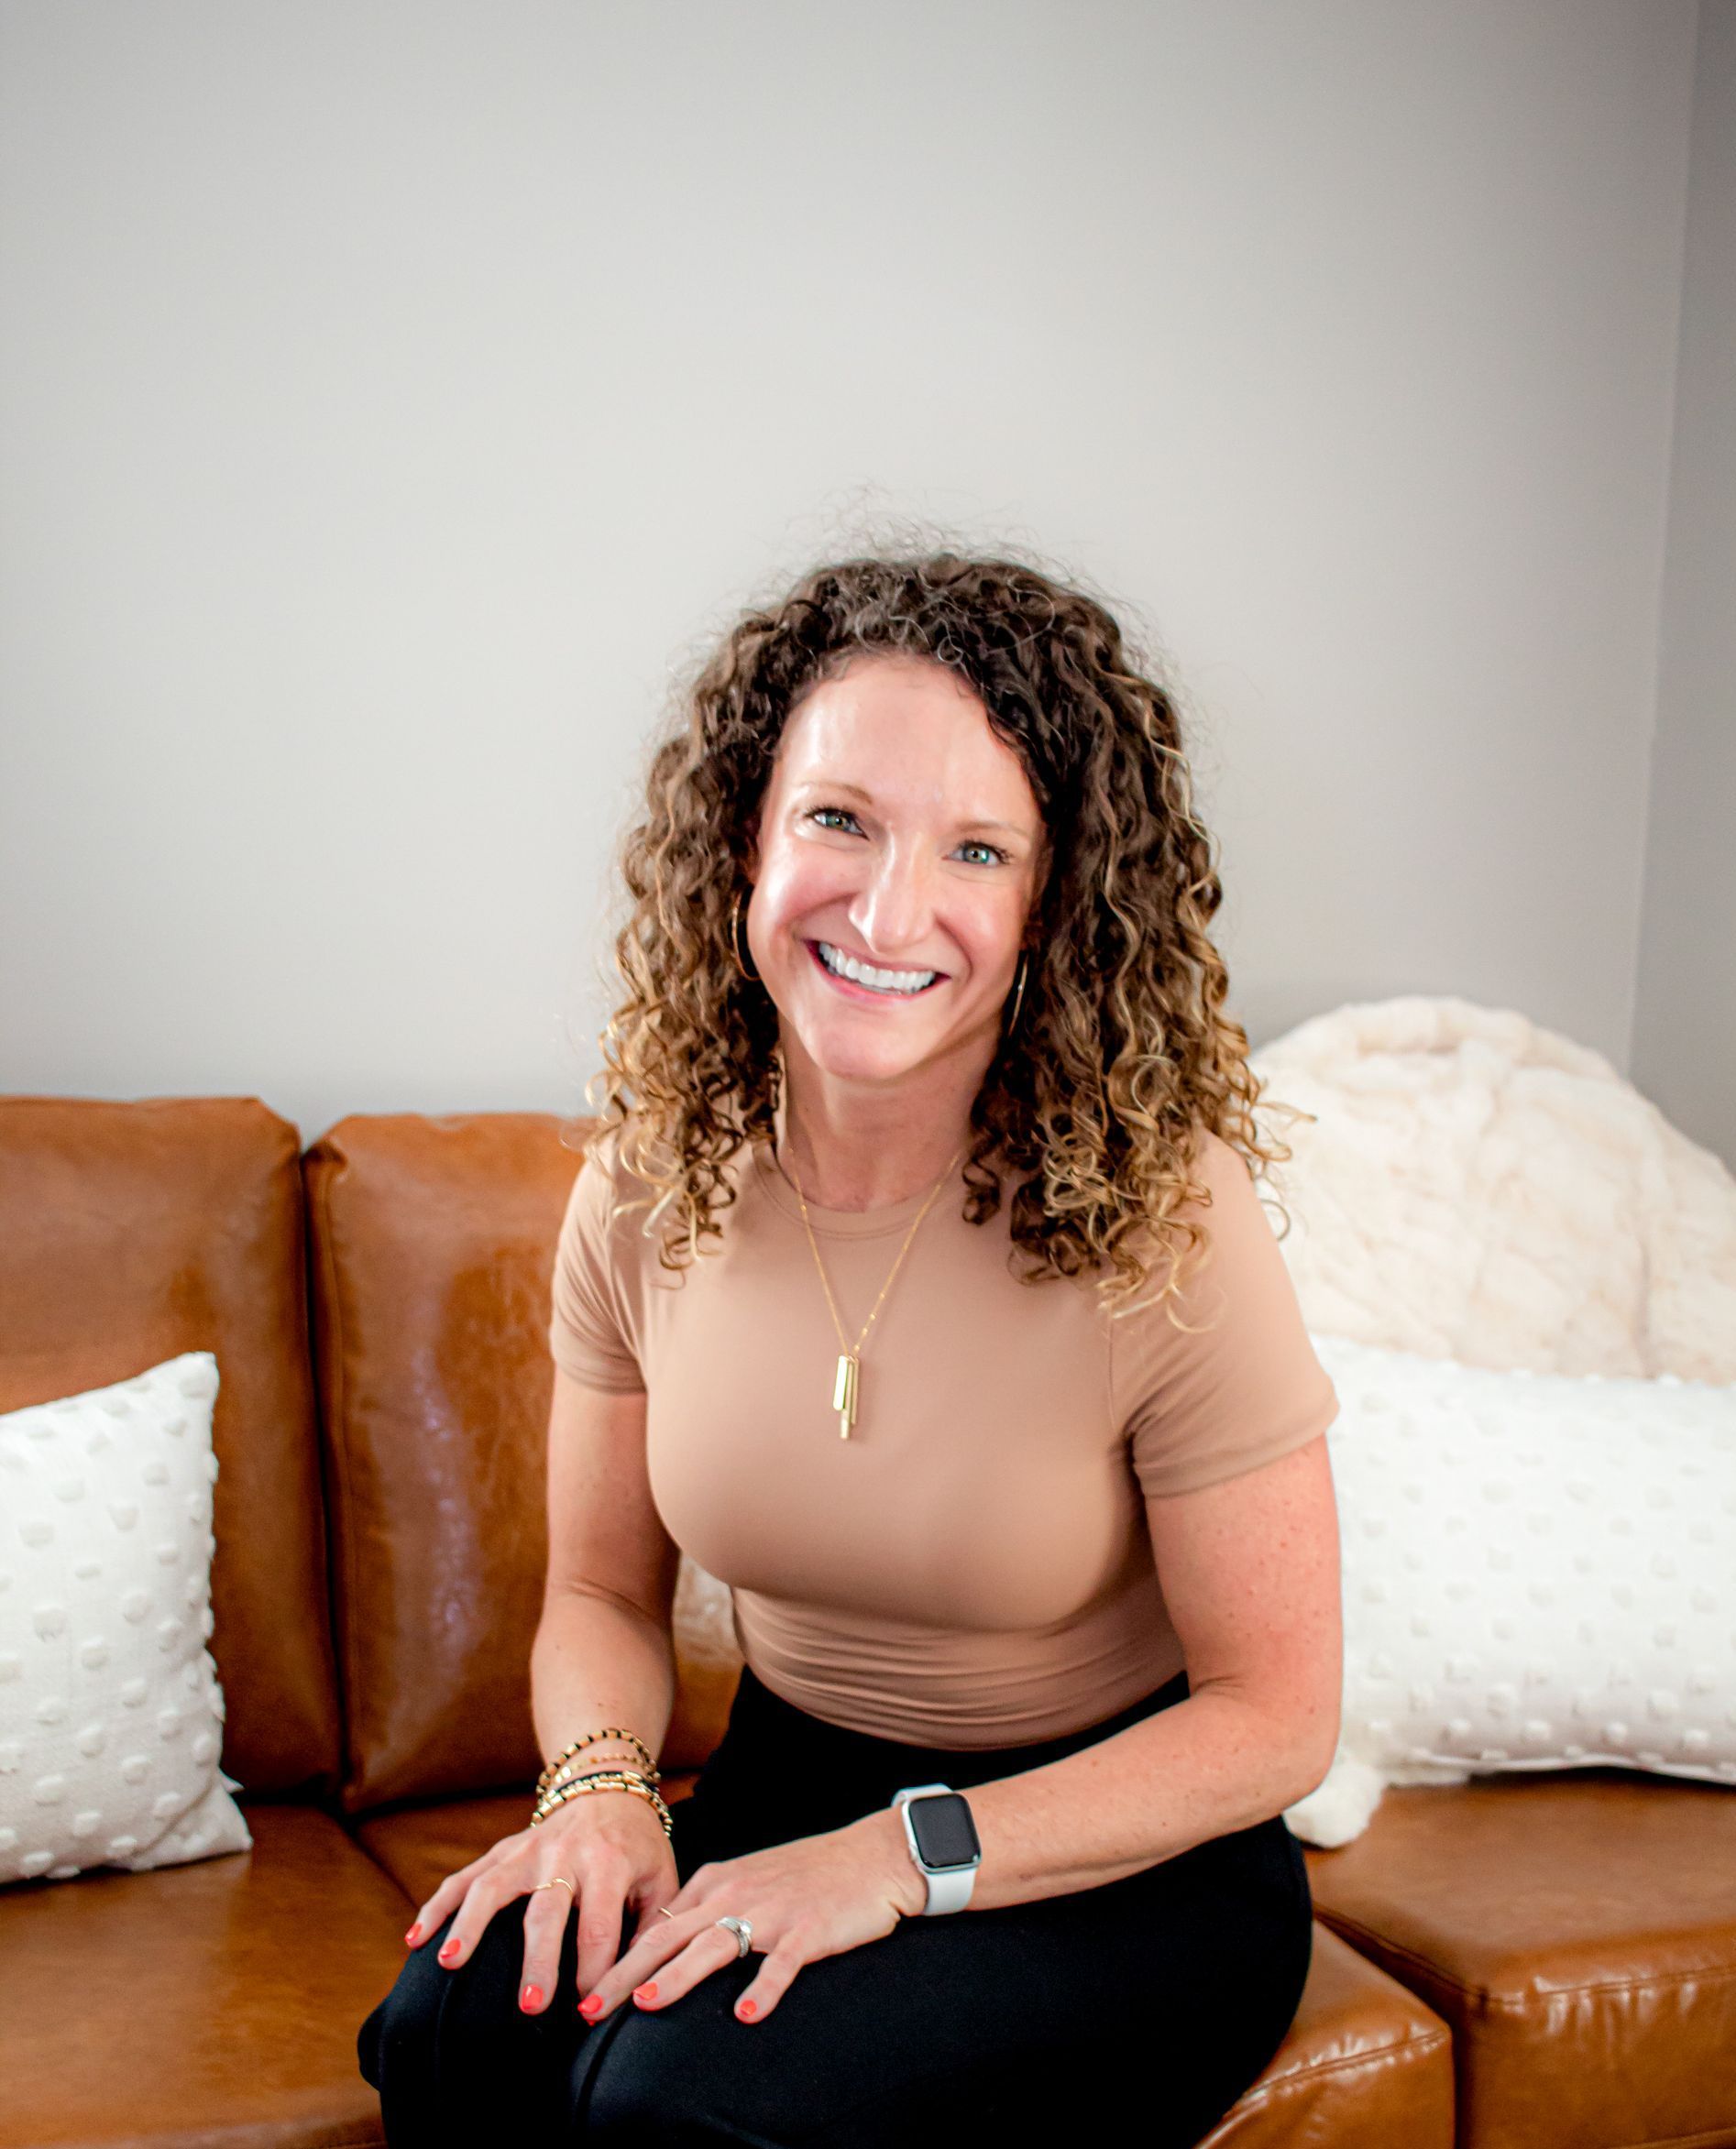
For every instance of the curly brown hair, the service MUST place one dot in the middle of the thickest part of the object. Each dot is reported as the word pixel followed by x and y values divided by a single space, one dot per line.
pixel 1123 1052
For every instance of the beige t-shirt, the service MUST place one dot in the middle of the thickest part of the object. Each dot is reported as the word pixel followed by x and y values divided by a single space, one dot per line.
pixel 971 1567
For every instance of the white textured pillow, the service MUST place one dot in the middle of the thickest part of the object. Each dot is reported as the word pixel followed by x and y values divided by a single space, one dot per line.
pixel 111 1717
pixel 1538 1571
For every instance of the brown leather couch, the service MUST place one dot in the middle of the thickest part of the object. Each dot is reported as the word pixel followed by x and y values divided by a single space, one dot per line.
pixel 1524 1961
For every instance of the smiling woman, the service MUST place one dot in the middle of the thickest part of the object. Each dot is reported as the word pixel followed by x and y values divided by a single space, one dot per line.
pixel 921 1066
pixel 888 931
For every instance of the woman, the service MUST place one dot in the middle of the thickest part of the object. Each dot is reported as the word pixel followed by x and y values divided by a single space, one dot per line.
pixel 924 1295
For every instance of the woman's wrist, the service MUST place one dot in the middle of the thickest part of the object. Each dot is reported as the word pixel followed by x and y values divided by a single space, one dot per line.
pixel 599 1748
pixel 628 1780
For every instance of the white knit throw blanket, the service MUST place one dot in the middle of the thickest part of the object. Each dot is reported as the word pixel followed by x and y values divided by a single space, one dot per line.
pixel 1478 1188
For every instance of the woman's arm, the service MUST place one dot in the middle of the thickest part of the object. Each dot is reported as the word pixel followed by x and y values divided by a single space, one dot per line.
pixel 1250 1575
pixel 604 1655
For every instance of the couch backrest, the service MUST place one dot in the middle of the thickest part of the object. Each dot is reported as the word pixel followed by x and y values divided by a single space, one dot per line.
pixel 130 1233
pixel 433 1248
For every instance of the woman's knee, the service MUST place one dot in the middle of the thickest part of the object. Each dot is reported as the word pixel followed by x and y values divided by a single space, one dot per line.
pixel 403 2030
pixel 443 2039
pixel 684 2075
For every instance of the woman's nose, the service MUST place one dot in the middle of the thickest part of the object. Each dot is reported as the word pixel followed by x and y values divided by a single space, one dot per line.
pixel 893 910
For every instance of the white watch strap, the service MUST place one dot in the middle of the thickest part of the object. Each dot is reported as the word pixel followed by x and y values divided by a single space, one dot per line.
pixel 950 1889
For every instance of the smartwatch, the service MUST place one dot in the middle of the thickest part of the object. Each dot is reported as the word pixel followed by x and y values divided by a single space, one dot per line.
pixel 943 1842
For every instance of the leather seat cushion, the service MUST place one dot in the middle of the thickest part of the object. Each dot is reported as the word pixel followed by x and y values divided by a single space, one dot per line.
pixel 213 2002
pixel 1577 1930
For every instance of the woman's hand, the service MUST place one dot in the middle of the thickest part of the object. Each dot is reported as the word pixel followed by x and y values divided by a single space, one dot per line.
pixel 816 1896
pixel 608 1844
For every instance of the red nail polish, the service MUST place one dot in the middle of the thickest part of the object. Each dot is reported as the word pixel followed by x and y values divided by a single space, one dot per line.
pixel 591 2007
pixel 448 1951
pixel 749 2008
pixel 532 1997
pixel 644 1991
pixel 412 1936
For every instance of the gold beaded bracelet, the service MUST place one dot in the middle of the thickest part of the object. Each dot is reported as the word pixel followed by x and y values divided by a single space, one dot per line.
pixel 610 1731
pixel 590 1738
pixel 547 1800
pixel 604 1780
pixel 570 1770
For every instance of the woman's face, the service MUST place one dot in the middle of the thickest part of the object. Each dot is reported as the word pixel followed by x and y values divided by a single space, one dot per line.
pixel 899 832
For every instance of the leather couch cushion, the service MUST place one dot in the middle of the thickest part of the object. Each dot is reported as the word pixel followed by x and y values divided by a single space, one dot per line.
pixel 1577 1931
pixel 1366 2065
pixel 1365 2062
pixel 136 1231
pixel 209 2003
pixel 433 1252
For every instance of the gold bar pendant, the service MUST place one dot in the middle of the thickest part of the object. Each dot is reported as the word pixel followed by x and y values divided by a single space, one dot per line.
pixel 845 1393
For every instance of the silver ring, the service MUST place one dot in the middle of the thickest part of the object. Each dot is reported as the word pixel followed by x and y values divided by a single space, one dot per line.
pixel 743 1934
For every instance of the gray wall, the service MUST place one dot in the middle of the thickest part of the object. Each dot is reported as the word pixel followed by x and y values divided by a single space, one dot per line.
pixel 1684 1018
pixel 392 395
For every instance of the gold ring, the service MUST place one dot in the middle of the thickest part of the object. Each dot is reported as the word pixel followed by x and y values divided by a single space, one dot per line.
pixel 665 1912
pixel 560 1880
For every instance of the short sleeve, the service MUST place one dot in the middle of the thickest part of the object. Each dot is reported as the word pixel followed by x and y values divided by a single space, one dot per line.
pixel 1247 1387
pixel 587 1334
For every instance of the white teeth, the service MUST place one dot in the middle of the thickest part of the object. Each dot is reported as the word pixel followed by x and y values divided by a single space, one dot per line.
pixel 876 981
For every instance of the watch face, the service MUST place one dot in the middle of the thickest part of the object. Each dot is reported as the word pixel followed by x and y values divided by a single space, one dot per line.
pixel 945 1833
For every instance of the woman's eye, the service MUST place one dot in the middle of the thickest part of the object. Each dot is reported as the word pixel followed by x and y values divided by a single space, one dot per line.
pixel 821 814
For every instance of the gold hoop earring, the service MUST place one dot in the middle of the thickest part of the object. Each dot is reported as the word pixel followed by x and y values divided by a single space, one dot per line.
pixel 752 976
pixel 1019 997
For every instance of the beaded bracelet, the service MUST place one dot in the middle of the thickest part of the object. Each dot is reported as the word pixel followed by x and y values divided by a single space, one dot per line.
pixel 610 1731
pixel 594 1778
pixel 547 1800
pixel 605 1780
pixel 568 1770
pixel 590 1738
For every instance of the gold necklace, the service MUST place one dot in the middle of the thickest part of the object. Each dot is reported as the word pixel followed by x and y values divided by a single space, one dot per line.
pixel 847 1382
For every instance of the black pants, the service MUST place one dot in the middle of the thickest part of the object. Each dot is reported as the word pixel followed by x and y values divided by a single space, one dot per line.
pixel 1164 1994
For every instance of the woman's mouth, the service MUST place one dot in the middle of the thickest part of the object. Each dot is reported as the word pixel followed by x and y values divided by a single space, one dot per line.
pixel 863 982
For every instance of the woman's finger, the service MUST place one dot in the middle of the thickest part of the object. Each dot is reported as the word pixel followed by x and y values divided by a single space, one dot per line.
pixel 484 1895
pixel 600 1910
pixel 446 1897
pixel 777 1974
pixel 545 1914
pixel 652 1918
pixel 658 1970
pixel 681 1899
